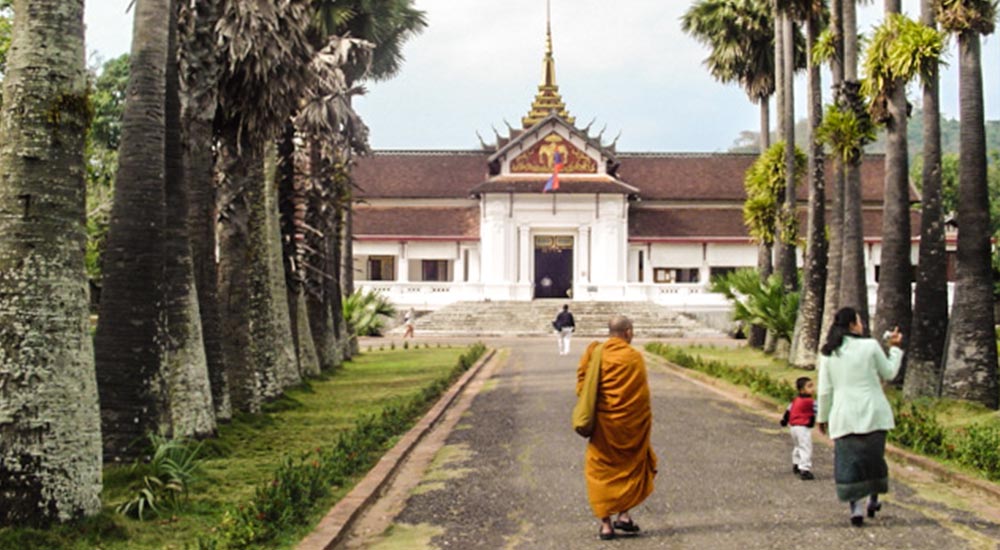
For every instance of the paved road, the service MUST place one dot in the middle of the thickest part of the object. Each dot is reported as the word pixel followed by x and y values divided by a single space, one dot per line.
pixel 510 476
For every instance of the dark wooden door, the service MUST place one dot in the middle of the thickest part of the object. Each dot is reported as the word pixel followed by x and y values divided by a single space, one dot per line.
pixel 553 272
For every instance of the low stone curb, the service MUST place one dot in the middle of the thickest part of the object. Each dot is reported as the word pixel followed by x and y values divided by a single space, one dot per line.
pixel 750 399
pixel 336 524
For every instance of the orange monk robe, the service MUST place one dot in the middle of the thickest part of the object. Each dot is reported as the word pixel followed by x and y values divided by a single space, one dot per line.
pixel 620 464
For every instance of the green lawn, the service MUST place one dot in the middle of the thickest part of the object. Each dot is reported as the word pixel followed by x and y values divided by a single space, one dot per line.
pixel 248 451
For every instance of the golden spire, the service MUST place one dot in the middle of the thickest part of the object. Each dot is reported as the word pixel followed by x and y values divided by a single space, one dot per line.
pixel 547 99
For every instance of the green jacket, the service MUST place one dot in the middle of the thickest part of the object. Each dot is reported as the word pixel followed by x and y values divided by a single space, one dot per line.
pixel 849 394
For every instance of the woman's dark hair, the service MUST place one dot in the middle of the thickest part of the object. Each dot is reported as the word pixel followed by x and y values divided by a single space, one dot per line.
pixel 841 328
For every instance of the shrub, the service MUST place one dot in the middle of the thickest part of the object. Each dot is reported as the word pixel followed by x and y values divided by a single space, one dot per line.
pixel 917 427
pixel 757 381
pixel 367 312
pixel 979 447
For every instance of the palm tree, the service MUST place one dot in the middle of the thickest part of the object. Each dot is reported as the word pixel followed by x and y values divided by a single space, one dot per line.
pixel 893 305
pixel 741 37
pixel 853 284
pixel 831 295
pixel 900 50
pixel 970 368
pixel 50 451
pixel 127 350
pixel 806 341
pixel 263 52
pixel 199 80
pixel 785 71
pixel 930 303
pixel 191 410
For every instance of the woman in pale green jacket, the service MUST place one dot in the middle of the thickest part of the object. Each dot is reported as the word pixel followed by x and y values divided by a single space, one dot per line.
pixel 853 409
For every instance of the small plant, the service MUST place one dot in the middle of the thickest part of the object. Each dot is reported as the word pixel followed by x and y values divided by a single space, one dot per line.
pixel 367 312
pixel 392 345
pixel 917 427
pixel 406 345
pixel 173 466
pixel 979 448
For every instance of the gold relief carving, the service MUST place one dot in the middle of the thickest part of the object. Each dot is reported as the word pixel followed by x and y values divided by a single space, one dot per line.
pixel 553 242
pixel 540 159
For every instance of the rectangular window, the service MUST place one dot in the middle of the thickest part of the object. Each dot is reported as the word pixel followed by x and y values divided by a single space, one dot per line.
pixel 381 268
pixel 714 272
pixel 676 275
pixel 434 270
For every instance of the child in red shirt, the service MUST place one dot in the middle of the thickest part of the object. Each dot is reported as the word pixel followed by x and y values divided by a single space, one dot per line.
pixel 801 417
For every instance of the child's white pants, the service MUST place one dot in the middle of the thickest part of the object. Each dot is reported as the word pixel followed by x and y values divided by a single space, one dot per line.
pixel 802 450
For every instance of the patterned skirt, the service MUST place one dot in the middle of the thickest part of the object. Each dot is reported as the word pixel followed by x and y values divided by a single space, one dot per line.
pixel 859 466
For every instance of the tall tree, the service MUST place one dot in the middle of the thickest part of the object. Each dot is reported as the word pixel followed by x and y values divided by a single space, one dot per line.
pixel 785 68
pixel 853 282
pixel 127 348
pixel 893 304
pixel 899 50
pixel 805 341
pixel 834 52
pixel 199 81
pixel 930 302
pixel 740 35
pixel 264 49
pixel 970 368
pixel 50 441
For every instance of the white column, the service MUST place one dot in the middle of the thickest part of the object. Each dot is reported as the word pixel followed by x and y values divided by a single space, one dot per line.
pixel 403 269
pixel 523 258
pixel 647 266
pixel 582 275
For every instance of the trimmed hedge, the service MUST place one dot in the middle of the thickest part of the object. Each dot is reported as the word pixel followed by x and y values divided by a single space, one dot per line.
pixel 758 381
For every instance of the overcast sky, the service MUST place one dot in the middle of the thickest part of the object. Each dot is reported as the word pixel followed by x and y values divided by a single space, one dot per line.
pixel 625 63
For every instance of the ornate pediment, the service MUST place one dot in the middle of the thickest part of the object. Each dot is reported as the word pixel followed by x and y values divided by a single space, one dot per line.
pixel 540 157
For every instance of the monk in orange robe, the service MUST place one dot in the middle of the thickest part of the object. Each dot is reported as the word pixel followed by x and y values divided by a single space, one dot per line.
pixel 620 464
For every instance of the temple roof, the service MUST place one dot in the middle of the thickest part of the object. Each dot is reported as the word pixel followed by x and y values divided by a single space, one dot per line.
pixel 428 223
pixel 548 99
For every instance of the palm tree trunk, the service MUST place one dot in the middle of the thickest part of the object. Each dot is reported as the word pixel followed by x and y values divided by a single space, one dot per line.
pixel 346 338
pixel 970 369
pixel 270 325
pixel 199 79
pixel 319 300
pixel 893 307
pixel 127 349
pixel 50 439
pixel 853 284
pixel 831 295
pixel 930 306
pixel 758 334
pixel 807 324
pixel 186 369
pixel 789 262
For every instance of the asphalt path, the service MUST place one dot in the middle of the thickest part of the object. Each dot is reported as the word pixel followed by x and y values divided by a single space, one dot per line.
pixel 510 476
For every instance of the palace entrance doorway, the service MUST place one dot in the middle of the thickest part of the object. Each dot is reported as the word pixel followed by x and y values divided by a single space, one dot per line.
pixel 553 266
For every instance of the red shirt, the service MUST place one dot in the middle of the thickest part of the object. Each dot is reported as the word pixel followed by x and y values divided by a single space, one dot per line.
pixel 802 411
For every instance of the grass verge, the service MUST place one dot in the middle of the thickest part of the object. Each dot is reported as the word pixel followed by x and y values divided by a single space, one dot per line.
pixel 961 434
pixel 268 477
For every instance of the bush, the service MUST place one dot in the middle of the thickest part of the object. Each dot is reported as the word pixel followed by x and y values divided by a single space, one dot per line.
pixel 757 381
pixel 917 428
pixel 367 312
pixel 979 448
pixel 173 466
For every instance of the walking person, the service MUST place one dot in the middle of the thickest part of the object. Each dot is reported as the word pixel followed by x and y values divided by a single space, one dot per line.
pixel 853 409
pixel 800 417
pixel 408 319
pixel 564 326
pixel 620 464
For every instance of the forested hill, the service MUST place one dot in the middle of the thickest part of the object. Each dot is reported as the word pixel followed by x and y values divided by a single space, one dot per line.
pixel 747 140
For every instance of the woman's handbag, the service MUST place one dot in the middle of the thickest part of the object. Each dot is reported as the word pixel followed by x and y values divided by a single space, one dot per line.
pixel 585 411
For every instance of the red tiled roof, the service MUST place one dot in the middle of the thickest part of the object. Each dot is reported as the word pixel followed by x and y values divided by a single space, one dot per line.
pixel 724 223
pixel 455 223
pixel 430 174
pixel 657 176
pixel 718 177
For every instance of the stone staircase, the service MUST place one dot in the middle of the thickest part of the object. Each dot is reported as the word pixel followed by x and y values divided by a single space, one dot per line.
pixel 535 319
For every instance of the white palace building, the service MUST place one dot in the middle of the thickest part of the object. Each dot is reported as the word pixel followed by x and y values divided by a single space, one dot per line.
pixel 437 227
